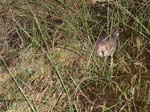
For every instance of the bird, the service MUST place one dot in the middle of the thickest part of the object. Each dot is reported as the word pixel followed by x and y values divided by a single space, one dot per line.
pixel 106 45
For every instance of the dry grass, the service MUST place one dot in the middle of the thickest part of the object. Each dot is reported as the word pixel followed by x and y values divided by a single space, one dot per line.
pixel 48 62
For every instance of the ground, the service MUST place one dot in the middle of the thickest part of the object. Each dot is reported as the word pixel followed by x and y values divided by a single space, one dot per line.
pixel 48 62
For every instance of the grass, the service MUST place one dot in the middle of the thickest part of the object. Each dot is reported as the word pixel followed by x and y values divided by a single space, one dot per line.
pixel 48 62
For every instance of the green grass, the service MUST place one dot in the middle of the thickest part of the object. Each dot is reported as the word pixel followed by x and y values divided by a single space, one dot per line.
pixel 48 62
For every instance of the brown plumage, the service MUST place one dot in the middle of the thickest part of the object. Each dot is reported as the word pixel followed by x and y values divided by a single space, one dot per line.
pixel 106 45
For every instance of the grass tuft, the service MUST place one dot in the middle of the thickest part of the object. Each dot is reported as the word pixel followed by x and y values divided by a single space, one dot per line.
pixel 48 62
